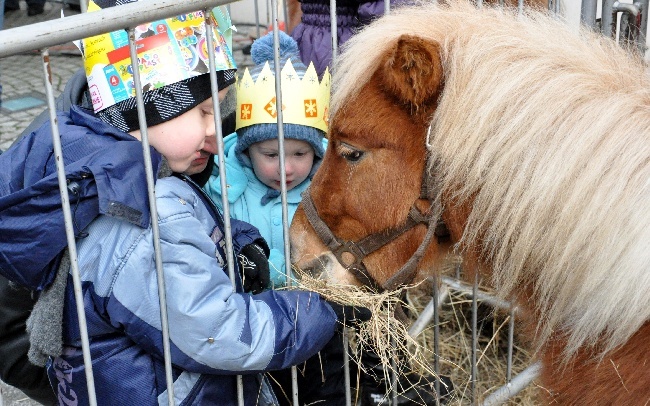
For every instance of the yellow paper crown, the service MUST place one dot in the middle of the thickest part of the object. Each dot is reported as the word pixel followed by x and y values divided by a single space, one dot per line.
pixel 305 101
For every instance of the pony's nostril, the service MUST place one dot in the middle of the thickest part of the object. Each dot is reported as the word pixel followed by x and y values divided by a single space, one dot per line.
pixel 324 261
pixel 316 268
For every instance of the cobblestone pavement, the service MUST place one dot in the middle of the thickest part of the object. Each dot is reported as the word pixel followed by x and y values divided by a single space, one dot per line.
pixel 22 75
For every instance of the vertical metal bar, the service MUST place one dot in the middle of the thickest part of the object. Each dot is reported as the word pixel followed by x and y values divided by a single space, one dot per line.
pixel 386 7
pixel 607 18
pixel 209 28
pixel 436 337
pixel 473 397
pixel 346 369
pixel 588 10
pixel 69 230
pixel 511 335
pixel 257 20
pixel 162 297
pixel 283 175
pixel 643 6
pixel 335 33
pixel 393 373
pixel 286 16
pixel 520 7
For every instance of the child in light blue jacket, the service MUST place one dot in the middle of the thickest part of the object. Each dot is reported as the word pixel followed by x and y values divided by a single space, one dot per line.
pixel 252 153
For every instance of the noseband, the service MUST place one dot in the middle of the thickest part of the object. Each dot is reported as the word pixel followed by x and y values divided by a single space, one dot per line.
pixel 351 254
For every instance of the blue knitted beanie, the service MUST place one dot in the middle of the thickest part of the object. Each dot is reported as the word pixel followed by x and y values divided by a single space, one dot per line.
pixel 262 52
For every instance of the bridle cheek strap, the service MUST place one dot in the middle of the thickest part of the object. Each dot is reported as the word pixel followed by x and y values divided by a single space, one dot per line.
pixel 351 254
pixel 342 250
pixel 407 272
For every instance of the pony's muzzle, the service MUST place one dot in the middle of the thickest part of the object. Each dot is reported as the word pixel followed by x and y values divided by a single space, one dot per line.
pixel 317 267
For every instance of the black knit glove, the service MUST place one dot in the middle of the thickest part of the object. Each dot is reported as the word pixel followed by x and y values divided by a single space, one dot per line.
pixel 350 316
pixel 254 267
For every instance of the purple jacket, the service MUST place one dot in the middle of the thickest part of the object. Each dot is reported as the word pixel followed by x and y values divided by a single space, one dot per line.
pixel 313 34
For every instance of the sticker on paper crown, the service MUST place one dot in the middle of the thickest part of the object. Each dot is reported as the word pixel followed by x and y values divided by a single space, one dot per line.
pixel 168 51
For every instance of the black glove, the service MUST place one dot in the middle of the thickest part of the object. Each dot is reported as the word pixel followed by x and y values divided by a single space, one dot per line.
pixel 350 316
pixel 254 267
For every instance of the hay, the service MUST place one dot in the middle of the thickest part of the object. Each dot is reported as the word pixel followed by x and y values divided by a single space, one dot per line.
pixel 455 347
pixel 386 336
pixel 383 335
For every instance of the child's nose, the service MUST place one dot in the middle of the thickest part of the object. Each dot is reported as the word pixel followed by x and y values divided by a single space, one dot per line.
pixel 288 167
pixel 210 129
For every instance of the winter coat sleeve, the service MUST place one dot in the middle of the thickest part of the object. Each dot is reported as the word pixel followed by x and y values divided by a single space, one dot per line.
pixel 244 234
pixel 15 369
pixel 313 33
pixel 212 329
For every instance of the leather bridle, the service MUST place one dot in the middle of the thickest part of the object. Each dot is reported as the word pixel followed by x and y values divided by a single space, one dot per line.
pixel 351 254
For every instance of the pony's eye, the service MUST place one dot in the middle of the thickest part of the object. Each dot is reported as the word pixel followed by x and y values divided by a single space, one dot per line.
pixel 354 156
pixel 349 153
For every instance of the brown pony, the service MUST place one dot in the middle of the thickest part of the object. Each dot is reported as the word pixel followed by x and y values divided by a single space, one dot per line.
pixel 533 142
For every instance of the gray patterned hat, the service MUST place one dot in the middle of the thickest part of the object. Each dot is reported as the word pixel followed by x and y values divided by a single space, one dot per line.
pixel 174 69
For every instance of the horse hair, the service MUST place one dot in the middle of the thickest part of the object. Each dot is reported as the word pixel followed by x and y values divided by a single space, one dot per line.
pixel 547 129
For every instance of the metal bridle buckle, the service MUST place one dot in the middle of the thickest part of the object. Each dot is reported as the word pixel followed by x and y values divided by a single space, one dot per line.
pixel 350 248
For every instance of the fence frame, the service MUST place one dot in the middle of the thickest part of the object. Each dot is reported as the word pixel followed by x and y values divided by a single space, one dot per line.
pixel 72 28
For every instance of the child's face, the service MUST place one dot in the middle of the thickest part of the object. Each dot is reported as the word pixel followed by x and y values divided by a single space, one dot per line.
pixel 182 140
pixel 209 148
pixel 298 160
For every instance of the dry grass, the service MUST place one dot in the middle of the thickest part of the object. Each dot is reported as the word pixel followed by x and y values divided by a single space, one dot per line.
pixel 385 336
pixel 492 348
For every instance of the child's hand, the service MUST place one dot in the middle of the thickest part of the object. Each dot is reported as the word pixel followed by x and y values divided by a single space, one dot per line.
pixel 254 267
pixel 350 316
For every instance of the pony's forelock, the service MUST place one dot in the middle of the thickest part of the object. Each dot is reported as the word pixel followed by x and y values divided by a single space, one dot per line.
pixel 548 130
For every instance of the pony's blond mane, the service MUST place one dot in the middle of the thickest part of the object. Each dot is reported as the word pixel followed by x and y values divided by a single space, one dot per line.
pixel 549 131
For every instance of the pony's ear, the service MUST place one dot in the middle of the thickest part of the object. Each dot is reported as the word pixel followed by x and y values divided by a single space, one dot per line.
pixel 413 71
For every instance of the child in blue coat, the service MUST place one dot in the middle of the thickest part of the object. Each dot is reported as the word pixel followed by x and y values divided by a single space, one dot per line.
pixel 215 333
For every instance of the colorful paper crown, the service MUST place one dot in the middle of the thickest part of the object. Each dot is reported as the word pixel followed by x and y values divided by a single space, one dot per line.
pixel 169 51
pixel 305 101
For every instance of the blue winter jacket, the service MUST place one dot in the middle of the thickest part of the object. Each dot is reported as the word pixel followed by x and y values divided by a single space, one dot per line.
pixel 30 201
pixel 215 333
pixel 245 192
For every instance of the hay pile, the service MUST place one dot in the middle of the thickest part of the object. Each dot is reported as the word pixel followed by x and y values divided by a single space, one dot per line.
pixel 456 343
pixel 384 335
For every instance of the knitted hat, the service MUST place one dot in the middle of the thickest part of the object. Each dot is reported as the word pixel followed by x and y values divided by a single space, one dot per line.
pixel 173 67
pixel 262 53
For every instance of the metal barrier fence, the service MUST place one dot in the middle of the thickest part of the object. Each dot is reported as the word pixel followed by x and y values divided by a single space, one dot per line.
pixel 628 20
